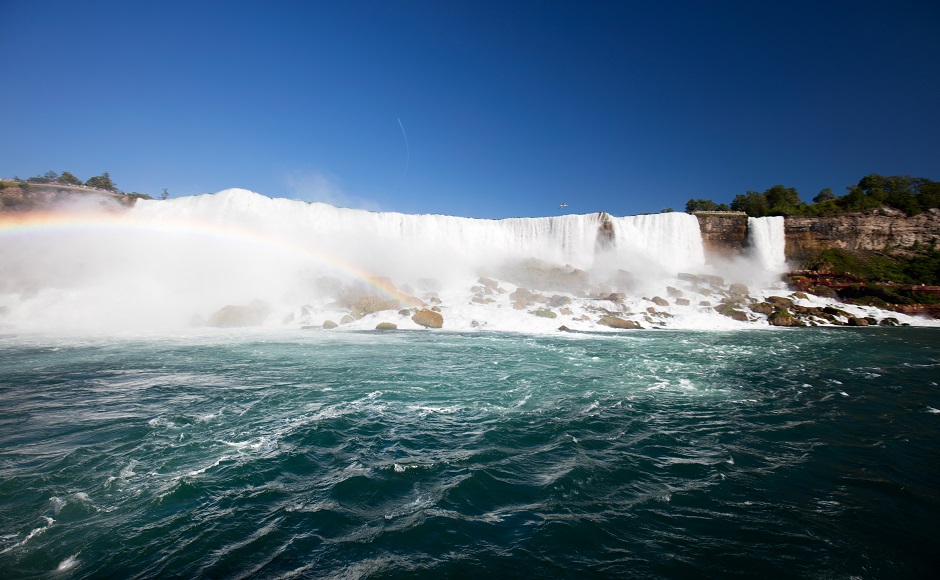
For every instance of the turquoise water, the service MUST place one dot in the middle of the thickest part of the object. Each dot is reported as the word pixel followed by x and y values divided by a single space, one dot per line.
pixel 810 452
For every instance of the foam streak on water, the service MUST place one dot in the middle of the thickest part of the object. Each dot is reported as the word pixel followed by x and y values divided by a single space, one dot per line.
pixel 373 455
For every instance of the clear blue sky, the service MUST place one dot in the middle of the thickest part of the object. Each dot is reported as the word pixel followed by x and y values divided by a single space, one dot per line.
pixel 510 108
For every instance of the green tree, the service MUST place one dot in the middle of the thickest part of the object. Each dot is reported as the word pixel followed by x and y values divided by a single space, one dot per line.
pixel 102 181
pixel 69 179
pixel 752 203
pixel 782 200
pixel 165 194
pixel 824 195
pixel 694 205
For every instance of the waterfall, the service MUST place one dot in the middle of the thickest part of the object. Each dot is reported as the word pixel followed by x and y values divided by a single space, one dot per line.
pixel 767 240
pixel 166 263
pixel 390 244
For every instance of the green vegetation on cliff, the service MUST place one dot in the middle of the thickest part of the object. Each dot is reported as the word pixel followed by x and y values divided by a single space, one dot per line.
pixel 920 266
pixel 911 195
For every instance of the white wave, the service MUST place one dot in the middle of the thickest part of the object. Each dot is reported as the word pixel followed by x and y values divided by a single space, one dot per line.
pixel 68 564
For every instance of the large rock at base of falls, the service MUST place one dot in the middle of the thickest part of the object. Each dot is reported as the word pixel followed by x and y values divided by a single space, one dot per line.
pixel 233 316
pixel 386 326
pixel 731 312
pixel 428 319
pixel 782 317
pixel 372 303
pixel 615 322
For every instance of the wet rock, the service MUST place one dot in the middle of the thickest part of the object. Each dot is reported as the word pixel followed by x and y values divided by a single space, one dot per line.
pixel 428 319
pixel 564 328
pixel 544 313
pixel 853 321
pixel 660 301
pixel 780 301
pixel 373 303
pixel 232 316
pixel 782 317
pixel 488 282
pixel 386 326
pixel 682 302
pixel 558 300
pixel 566 311
pixel 346 319
pixel 891 321
pixel 731 312
pixel 738 289
pixel 673 292
pixel 762 308
pixel 328 324
pixel 616 322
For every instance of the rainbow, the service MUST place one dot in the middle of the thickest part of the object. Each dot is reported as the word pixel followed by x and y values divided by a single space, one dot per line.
pixel 41 223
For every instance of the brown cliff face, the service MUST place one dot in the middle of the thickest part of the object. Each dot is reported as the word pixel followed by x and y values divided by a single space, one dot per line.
pixel 807 236
pixel 723 234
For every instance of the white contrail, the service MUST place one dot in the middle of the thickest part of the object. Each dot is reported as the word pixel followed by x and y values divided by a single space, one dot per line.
pixel 407 152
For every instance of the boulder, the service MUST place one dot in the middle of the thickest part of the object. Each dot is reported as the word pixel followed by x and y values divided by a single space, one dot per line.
pixel 731 312
pixel 615 322
pixel 386 326
pixel 762 308
pixel 673 292
pixel 738 289
pixel 232 316
pixel 328 324
pixel 428 318
pixel 544 313
pixel 853 321
pixel 660 301
pixel 682 302
pixel 369 304
pixel 558 300
pixel 782 317
pixel 889 322
pixel 346 319
pixel 488 282
pixel 780 301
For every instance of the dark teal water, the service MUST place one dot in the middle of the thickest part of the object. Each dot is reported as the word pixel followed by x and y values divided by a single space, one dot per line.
pixel 804 453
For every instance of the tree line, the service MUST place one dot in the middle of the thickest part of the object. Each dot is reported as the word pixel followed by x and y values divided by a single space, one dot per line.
pixel 102 181
pixel 911 195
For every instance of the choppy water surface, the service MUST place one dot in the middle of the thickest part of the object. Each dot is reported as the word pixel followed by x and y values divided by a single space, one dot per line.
pixel 813 452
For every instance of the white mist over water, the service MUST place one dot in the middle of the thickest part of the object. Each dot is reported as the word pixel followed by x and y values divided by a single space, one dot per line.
pixel 172 264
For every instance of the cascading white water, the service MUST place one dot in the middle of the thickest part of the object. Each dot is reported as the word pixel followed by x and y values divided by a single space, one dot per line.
pixel 767 239
pixel 665 243
pixel 162 264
